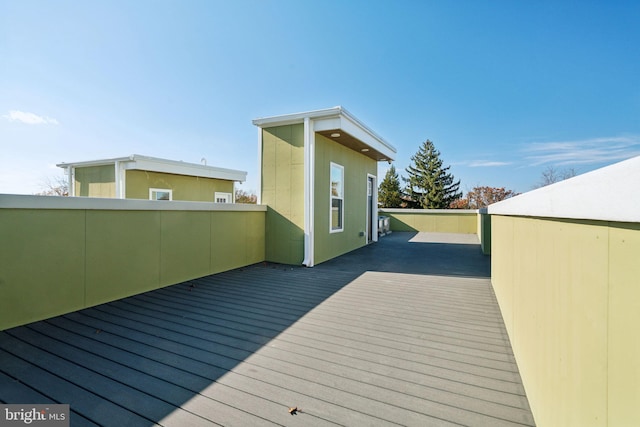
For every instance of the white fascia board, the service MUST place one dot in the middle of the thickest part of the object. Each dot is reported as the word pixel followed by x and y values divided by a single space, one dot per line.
pixel 381 145
pixel 606 194
pixel 98 162
pixel 16 201
pixel 288 119
pixel 355 129
pixel 155 164
pixel 333 118
pixel 181 168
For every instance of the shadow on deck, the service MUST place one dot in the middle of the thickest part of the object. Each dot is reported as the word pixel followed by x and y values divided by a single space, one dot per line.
pixel 404 332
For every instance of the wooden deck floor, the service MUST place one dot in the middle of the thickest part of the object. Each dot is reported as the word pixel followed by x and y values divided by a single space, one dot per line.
pixel 403 332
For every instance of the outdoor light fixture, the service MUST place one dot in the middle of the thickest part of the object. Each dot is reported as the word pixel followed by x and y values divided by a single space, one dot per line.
pixel 364 150
pixel 335 135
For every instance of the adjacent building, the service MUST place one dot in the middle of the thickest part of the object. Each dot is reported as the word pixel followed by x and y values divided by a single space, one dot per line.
pixel 143 177
pixel 318 177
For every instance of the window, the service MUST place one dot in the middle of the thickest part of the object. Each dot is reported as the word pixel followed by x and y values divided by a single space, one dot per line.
pixel 160 194
pixel 222 197
pixel 336 219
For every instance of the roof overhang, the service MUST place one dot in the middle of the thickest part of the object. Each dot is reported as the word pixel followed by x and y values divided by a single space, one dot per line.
pixel 340 126
pixel 154 164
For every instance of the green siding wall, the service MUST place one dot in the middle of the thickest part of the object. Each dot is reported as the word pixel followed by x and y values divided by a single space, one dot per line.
pixel 191 188
pixel 56 261
pixel 95 181
pixel 484 232
pixel 437 221
pixel 283 192
pixel 569 295
pixel 356 167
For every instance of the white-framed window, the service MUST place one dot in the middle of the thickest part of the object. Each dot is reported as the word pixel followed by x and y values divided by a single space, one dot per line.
pixel 160 194
pixel 222 197
pixel 336 196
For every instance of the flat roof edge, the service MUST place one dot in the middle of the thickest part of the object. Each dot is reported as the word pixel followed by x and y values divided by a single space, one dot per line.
pixel 297 117
pixel 326 113
pixel 156 164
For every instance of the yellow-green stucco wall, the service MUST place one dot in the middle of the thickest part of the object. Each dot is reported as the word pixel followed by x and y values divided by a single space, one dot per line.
pixel 356 169
pixel 95 181
pixel 569 292
pixel 191 188
pixel 56 261
pixel 99 181
pixel 433 221
pixel 283 192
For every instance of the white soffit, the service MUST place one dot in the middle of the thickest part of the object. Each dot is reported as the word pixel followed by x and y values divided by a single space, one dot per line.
pixel 607 194
pixel 330 119
pixel 154 164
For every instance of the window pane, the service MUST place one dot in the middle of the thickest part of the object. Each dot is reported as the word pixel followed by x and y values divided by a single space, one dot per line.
pixel 337 197
pixel 336 214
pixel 219 197
pixel 161 195
pixel 336 181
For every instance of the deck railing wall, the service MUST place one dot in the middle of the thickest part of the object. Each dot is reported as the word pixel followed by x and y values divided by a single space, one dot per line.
pixel 569 292
pixel 60 254
pixel 465 221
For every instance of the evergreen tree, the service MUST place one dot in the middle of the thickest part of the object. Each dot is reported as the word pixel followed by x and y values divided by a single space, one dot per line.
pixel 389 192
pixel 429 185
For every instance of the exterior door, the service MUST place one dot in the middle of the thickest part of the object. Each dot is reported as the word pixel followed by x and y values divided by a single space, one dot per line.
pixel 370 208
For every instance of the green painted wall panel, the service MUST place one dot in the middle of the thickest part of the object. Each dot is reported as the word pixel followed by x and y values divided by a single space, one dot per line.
pixel 230 254
pixel 236 242
pixel 191 188
pixel 123 254
pixel 185 244
pixel 283 192
pixel 41 264
pixel 624 324
pixel 424 220
pixel 502 271
pixel 568 293
pixel 55 261
pixel 356 169
pixel 95 181
pixel 254 236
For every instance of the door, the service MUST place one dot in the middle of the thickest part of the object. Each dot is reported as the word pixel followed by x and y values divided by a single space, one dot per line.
pixel 371 185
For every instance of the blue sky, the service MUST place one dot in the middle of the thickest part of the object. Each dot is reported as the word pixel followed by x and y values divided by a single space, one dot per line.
pixel 503 88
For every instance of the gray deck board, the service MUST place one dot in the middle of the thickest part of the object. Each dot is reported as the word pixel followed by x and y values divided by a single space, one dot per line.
pixel 403 332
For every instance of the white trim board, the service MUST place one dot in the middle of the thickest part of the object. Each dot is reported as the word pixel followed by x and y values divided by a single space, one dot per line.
pixel 333 118
pixel 155 164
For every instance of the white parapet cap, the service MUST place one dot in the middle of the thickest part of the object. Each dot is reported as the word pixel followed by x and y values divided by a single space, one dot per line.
pixel 336 119
pixel 18 201
pixel 607 194
pixel 430 211
pixel 154 164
